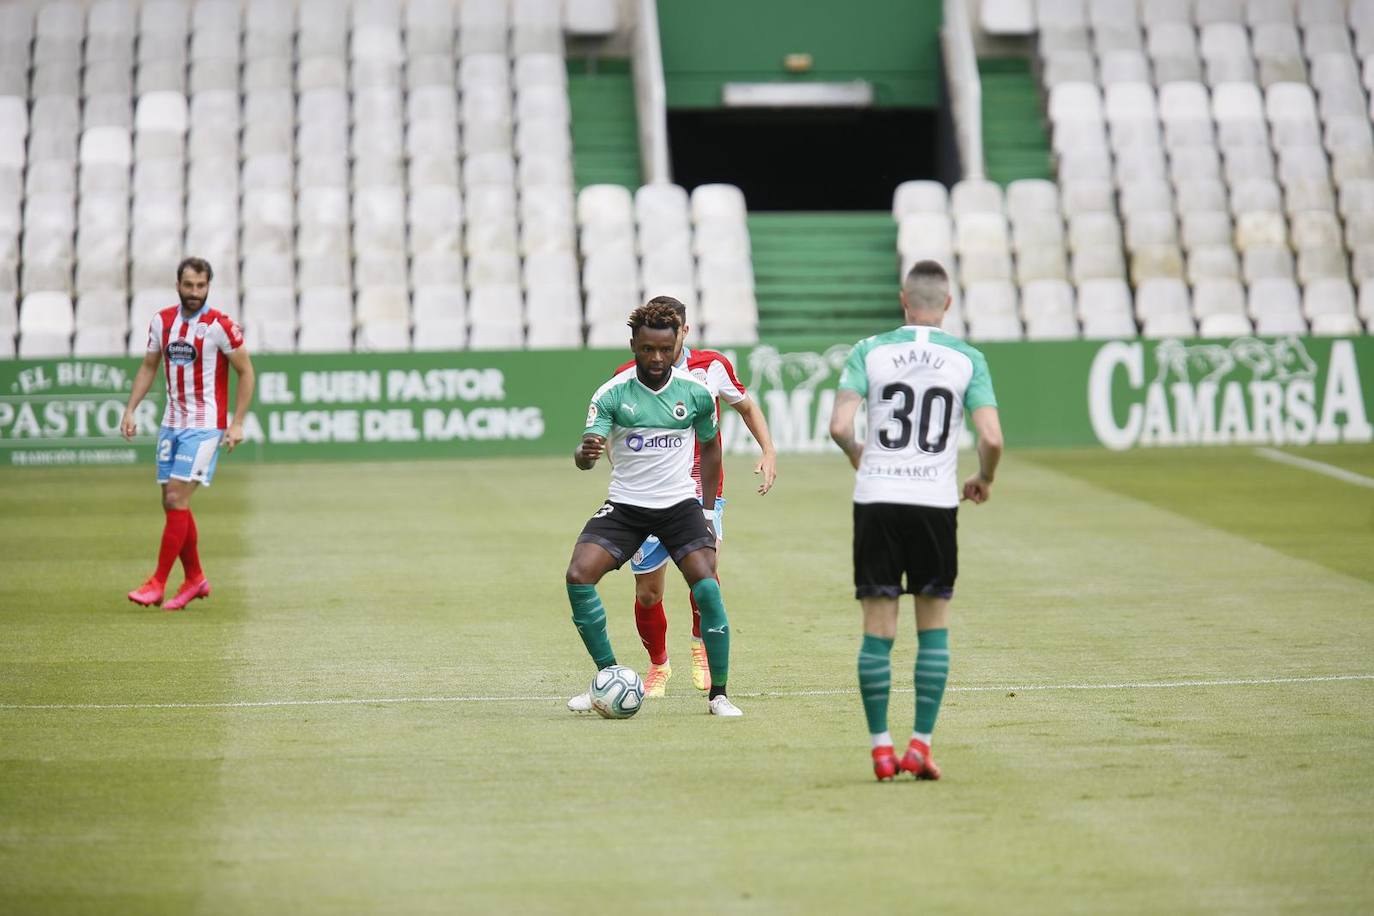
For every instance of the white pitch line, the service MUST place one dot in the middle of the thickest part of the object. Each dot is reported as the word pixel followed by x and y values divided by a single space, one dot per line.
pixel 763 694
pixel 1320 467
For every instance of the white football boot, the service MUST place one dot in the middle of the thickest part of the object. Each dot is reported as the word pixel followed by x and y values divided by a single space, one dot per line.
pixel 721 706
pixel 581 703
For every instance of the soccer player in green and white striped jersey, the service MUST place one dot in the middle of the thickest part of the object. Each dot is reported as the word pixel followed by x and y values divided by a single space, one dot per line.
pixel 652 415
pixel 918 382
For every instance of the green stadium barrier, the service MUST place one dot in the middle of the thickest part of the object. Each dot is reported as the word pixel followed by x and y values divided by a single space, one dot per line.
pixel 1117 394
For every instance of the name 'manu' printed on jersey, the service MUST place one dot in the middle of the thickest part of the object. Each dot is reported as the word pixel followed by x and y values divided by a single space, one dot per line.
pixel 918 382
pixel 653 436
pixel 194 356
pixel 714 371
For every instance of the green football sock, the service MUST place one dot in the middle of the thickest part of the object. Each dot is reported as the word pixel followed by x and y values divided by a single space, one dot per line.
pixel 875 680
pixel 715 630
pixel 932 670
pixel 589 616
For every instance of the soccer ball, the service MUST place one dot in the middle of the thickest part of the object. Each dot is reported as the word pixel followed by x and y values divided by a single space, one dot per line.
pixel 617 692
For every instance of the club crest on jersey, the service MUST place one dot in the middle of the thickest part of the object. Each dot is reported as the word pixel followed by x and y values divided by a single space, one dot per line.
pixel 680 410
pixel 181 352
pixel 200 331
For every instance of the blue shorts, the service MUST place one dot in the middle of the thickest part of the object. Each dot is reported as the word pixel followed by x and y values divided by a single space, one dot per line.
pixel 652 554
pixel 187 454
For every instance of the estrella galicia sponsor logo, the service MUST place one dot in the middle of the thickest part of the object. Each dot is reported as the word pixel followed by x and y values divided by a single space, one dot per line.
pixel 638 443
pixel 680 411
pixel 181 352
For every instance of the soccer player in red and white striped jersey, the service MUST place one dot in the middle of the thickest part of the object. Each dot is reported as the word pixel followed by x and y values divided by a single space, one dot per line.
pixel 649 563
pixel 195 345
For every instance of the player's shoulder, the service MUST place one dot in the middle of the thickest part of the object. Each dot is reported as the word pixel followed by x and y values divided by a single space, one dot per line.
pixel 687 378
pixel 630 364
pixel 218 320
pixel 703 359
pixel 621 377
pixel 886 338
pixel 943 338
pixel 166 316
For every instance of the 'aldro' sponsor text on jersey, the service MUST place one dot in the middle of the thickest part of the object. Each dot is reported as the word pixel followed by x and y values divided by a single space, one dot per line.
pixel 653 435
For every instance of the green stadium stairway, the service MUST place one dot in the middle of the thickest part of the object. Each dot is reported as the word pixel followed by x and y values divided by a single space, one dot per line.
pixel 605 127
pixel 824 274
pixel 1015 144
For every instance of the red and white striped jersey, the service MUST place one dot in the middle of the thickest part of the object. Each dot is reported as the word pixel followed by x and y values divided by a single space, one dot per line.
pixel 713 370
pixel 194 356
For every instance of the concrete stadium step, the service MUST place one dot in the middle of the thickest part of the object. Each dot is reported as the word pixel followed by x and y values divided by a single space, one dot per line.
pixel 1015 142
pixel 605 126
pixel 828 274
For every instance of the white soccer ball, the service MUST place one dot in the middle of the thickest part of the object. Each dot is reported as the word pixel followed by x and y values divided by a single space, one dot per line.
pixel 617 692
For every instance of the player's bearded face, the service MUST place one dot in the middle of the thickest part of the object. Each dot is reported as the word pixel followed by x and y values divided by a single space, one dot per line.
pixel 654 352
pixel 192 288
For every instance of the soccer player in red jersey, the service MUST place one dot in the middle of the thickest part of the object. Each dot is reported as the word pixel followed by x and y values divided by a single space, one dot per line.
pixel 196 344
pixel 650 562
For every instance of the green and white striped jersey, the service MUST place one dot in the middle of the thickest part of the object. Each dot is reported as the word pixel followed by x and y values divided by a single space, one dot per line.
pixel 918 381
pixel 653 435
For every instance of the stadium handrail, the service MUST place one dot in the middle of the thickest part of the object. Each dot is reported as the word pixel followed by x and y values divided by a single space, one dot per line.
pixel 651 95
pixel 965 88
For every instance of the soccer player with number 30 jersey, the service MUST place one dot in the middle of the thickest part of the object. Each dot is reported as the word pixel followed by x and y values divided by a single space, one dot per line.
pixel 918 382
pixel 195 345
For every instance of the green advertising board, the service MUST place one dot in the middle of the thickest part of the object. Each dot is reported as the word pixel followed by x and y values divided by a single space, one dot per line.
pixel 1116 394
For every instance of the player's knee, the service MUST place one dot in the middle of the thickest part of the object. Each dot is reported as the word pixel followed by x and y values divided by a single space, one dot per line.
pixel 173 500
pixel 648 594
pixel 579 574
pixel 706 585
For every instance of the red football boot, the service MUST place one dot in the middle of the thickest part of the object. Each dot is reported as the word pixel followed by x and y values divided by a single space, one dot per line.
pixel 149 593
pixel 917 761
pixel 884 762
pixel 188 592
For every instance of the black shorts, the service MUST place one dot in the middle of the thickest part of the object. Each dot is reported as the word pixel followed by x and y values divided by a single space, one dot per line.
pixel 621 528
pixel 892 540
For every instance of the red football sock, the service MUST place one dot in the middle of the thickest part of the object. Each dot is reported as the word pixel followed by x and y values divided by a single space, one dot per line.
pixel 652 623
pixel 696 614
pixel 190 556
pixel 173 536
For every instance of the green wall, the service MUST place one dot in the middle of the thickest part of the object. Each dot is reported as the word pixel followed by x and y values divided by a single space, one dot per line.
pixel 1116 394
pixel 894 44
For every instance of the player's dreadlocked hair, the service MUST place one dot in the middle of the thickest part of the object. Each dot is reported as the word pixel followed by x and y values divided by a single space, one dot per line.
pixel 655 313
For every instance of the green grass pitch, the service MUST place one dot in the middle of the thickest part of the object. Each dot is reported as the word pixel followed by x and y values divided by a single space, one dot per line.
pixel 422 606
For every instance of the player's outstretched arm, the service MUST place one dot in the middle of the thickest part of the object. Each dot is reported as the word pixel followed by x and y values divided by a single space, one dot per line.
pixel 143 380
pixel 988 426
pixel 588 451
pixel 243 399
pixel 757 423
pixel 847 402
